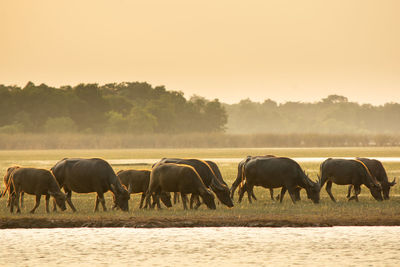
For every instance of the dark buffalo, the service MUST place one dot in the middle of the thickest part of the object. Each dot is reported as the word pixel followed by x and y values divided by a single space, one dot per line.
pixel 90 175
pixel 348 172
pixel 278 172
pixel 208 177
pixel 137 181
pixel 36 182
pixel 377 170
pixel 239 179
pixel 170 177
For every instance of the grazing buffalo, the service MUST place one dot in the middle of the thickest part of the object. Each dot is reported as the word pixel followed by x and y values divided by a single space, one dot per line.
pixel 239 179
pixel 348 172
pixel 6 178
pixel 137 181
pixel 171 177
pixel 208 177
pixel 278 172
pixel 90 175
pixel 36 182
pixel 377 170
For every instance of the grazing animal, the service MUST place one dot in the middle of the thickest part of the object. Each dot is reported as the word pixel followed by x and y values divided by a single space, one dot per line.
pixel 239 179
pixel 275 172
pixel 90 175
pixel 171 177
pixel 377 170
pixel 208 177
pixel 348 172
pixel 36 182
pixel 137 181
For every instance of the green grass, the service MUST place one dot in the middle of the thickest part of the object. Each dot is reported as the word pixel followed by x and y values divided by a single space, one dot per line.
pixel 264 208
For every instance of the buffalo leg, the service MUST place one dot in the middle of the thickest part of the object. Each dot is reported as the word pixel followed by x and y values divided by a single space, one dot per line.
pixel 271 193
pixel 47 203
pixel 100 197
pixel 37 203
pixel 254 196
pixel 142 200
pixel 148 201
pixel 297 193
pixel 328 189
pixel 283 191
pixel 292 194
pixel 22 199
pixel 349 191
pixel 176 197
pixel 12 202
pixel 357 191
pixel 249 192
pixel 241 194
pixel 69 201
pixel 191 201
pixel 184 201
pixel 198 202
pixel 96 204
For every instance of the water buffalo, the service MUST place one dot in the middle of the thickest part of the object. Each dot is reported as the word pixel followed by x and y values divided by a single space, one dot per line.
pixel 137 181
pixel 90 175
pixel 239 179
pixel 348 172
pixel 275 172
pixel 377 170
pixel 208 177
pixel 36 182
pixel 171 177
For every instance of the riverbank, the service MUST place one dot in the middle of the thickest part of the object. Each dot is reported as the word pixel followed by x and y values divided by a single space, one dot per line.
pixel 157 222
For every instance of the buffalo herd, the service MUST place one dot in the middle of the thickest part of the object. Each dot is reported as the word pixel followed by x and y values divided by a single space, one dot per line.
pixel 201 179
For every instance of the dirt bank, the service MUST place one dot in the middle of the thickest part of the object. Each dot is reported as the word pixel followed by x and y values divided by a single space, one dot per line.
pixel 134 222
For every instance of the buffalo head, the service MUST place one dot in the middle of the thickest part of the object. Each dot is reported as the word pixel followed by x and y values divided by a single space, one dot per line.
pixel 376 191
pixel 166 199
pixel 60 198
pixel 121 198
pixel 208 199
pixel 386 188
pixel 223 193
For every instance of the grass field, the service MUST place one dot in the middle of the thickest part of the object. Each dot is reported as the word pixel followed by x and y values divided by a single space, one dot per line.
pixel 263 212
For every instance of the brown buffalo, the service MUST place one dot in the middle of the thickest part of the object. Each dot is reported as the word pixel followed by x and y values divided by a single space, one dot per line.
pixel 36 182
pixel 90 175
pixel 171 177
pixel 208 177
pixel 348 172
pixel 377 170
pixel 275 172
pixel 137 181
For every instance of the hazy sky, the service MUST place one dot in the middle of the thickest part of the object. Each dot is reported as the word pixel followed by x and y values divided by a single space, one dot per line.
pixel 283 50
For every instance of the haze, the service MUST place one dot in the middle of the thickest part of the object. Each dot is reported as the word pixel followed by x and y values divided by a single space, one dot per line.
pixel 231 50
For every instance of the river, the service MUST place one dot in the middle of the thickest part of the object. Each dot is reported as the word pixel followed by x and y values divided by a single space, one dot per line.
pixel 225 246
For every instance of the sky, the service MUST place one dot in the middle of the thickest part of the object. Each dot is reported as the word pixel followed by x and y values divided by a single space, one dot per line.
pixel 299 50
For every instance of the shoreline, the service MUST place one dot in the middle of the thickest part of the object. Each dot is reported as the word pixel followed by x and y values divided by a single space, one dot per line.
pixel 29 223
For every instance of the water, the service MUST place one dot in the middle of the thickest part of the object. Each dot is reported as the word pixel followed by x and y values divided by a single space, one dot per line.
pixel 335 246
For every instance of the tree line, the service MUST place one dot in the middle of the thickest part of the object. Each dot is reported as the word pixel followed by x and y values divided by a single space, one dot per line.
pixel 129 107
pixel 334 114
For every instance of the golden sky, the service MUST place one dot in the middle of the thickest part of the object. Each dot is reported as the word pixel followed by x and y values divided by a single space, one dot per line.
pixel 284 50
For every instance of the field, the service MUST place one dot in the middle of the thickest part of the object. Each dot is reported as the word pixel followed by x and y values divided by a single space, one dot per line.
pixel 263 212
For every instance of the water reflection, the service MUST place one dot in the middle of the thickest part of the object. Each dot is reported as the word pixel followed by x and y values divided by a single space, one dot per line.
pixel 347 246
